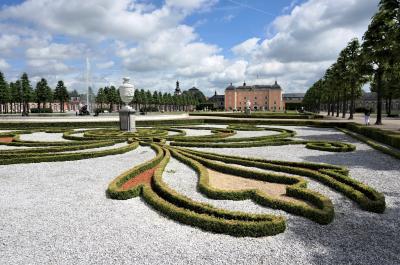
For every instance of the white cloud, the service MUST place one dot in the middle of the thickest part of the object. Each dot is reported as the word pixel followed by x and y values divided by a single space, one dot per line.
pixel 55 51
pixel 94 18
pixel 168 51
pixel 246 47
pixel 105 65
pixel 306 41
pixel 317 30
pixel 190 5
pixel 153 45
pixel 8 42
pixel 4 65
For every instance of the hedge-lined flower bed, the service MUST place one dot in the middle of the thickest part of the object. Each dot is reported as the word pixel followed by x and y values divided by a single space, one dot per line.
pixel 146 179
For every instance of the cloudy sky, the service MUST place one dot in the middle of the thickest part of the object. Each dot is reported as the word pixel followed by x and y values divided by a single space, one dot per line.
pixel 206 43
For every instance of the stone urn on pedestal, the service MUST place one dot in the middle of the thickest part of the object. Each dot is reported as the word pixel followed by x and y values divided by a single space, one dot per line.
pixel 126 113
pixel 248 107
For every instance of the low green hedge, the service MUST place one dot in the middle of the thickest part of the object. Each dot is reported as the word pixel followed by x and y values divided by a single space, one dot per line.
pixel 11 153
pixel 387 137
pixel 384 149
pixel 114 189
pixel 332 176
pixel 186 211
pixel 37 158
pixel 255 115
pixel 321 212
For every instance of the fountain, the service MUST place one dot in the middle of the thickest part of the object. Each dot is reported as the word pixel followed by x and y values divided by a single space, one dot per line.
pixel 127 113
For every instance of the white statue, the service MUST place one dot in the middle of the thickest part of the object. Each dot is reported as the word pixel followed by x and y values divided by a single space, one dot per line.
pixel 248 105
pixel 126 114
pixel 127 92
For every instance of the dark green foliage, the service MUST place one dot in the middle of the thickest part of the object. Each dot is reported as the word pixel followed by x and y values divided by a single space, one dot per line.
pixel 42 110
pixel 61 94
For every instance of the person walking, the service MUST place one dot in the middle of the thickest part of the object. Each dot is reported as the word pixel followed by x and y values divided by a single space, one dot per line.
pixel 367 114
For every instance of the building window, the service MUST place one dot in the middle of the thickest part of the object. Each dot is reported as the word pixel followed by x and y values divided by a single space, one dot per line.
pixel 255 98
pixel 266 97
pixel 244 97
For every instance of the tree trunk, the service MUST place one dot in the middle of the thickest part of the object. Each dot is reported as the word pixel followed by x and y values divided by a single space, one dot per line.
pixel 352 99
pixel 379 96
pixel 344 107
pixel 338 105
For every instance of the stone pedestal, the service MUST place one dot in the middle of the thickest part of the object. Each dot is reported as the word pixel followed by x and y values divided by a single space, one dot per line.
pixel 127 120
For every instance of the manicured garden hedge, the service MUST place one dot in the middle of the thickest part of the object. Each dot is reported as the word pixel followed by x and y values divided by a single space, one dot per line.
pixel 334 177
pixel 187 211
pixel 52 157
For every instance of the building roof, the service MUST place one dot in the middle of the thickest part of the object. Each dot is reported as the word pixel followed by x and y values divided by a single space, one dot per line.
pixel 217 97
pixel 254 87
pixel 293 95
pixel 193 89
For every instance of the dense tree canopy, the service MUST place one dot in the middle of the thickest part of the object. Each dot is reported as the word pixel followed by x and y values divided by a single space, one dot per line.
pixel 376 60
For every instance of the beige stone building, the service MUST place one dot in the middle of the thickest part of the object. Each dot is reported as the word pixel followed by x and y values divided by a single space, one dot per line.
pixel 261 97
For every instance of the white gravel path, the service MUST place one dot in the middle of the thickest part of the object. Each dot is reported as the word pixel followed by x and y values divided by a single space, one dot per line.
pixel 193 132
pixel 241 134
pixel 43 137
pixel 57 213
pixel 115 146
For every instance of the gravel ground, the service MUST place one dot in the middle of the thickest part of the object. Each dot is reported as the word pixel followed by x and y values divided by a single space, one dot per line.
pixel 193 132
pixel 43 137
pixel 241 134
pixel 115 146
pixel 57 213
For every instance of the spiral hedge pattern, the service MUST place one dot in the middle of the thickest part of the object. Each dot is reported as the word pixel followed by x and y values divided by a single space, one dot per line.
pixel 146 180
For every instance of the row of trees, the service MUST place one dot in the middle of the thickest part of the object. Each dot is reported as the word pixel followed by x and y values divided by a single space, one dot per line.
pixel 376 61
pixel 16 96
pixel 147 101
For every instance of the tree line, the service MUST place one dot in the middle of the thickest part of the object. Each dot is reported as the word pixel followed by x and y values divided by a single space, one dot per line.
pixel 376 60
pixel 16 96
pixel 145 100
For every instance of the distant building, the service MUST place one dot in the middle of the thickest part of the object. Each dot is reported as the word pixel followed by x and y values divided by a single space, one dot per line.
pixel 261 97
pixel 293 101
pixel 369 100
pixel 177 89
pixel 218 101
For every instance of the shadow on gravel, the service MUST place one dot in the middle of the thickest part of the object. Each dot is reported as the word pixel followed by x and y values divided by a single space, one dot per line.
pixel 329 137
pixel 369 159
pixel 354 237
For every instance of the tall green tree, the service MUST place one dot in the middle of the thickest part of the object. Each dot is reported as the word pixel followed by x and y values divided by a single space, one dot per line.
pixel 42 92
pixel 381 46
pixel 112 97
pixel 5 95
pixel 101 97
pixel 27 92
pixel 61 94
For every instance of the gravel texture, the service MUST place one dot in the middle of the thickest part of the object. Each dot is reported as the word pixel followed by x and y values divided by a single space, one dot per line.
pixel 193 132
pixel 57 213
pixel 43 137
pixel 241 134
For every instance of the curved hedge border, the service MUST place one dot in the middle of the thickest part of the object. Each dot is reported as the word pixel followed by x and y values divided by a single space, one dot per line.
pixel 331 176
pixel 187 211
pixel 160 196
pixel 321 210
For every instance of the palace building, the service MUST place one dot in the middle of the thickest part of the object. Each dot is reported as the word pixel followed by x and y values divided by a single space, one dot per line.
pixel 261 97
